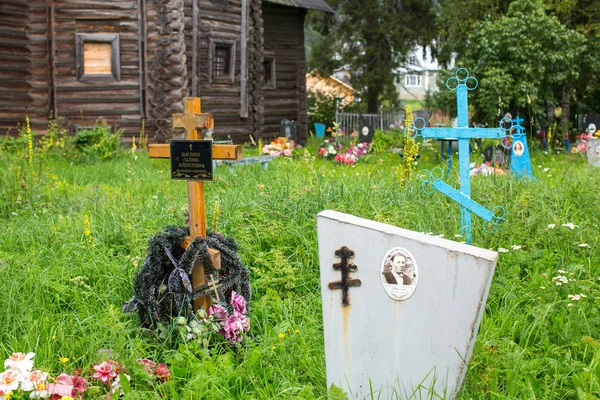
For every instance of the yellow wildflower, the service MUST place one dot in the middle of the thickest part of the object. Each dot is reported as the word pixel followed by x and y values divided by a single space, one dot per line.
pixel 88 228
pixel 29 141
pixel 63 359
pixel 8 395
pixel 297 330
pixel 281 335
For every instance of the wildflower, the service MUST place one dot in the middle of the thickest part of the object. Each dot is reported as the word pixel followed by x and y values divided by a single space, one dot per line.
pixel 273 347
pixel 10 380
pixel 9 395
pixel 542 287
pixel 297 330
pixel 281 335
pixel 162 372
pixel 574 297
pixel 458 235
pixel 561 271
pixel 570 225
pixel 516 247
pixel 502 250
pixel 88 228
pixel 29 141
pixel 104 371
pixel 560 280
pixel 570 305
pixel 551 226
pixel 584 245
pixel 22 362
pixel 546 170
pixel 63 360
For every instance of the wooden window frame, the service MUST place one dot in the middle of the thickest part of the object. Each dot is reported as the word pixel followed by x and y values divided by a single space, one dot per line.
pixel 270 56
pixel 230 75
pixel 113 39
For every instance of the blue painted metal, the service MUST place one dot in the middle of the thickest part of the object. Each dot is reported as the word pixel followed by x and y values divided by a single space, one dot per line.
pixel 461 82
pixel 520 163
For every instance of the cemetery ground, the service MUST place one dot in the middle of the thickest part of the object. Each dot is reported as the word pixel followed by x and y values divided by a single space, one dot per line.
pixel 74 233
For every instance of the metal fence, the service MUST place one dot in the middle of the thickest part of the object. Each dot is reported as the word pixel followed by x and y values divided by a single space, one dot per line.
pixel 386 119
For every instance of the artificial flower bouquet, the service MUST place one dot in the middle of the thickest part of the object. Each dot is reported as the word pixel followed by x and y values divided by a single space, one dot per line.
pixel 347 155
pixel 281 146
pixel 21 381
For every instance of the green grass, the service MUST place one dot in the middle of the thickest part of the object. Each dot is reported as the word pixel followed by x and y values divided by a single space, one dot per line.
pixel 62 296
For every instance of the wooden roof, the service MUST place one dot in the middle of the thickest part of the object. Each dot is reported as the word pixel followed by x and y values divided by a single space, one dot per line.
pixel 320 5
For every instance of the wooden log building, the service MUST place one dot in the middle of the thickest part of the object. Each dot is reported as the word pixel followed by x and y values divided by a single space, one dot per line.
pixel 128 61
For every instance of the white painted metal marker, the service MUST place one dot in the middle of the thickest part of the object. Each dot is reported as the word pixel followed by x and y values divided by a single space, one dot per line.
pixel 394 347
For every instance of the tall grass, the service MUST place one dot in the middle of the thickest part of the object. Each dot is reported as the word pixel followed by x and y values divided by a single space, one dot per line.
pixel 62 288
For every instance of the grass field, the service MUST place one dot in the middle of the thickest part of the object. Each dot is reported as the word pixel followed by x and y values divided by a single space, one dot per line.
pixel 62 289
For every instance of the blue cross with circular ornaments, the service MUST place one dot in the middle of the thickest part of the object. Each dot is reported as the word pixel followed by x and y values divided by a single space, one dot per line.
pixel 462 82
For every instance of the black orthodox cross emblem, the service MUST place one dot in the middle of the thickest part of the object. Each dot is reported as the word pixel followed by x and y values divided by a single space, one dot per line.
pixel 346 267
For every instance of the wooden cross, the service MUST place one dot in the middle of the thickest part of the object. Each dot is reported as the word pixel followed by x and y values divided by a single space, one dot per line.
pixel 214 285
pixel 193 121
pixel 345 266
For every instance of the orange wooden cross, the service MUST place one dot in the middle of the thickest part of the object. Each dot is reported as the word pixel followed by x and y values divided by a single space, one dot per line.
pixel 193 121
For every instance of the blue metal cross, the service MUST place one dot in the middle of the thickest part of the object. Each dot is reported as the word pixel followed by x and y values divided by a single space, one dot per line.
pixel 462 133
pixel 520 163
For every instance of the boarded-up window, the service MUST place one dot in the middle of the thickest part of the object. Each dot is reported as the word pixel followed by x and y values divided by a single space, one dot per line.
pixel 97 58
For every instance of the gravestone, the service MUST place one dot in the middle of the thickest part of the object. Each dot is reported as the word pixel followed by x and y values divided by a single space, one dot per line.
pixel 496 155
pixel 366 130
pixel 401 309
pixel 591 124
pixel 288 129
pixel 593 152
pixel 520 163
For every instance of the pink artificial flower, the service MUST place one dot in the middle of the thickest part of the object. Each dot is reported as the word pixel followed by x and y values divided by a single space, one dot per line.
pixel 148 365
pixel 238 302
pixel 244 322
pixel 80 385
pixel 62 387
pixel 162 372
pixel 10 380
pixel 287 152
pixel 322 152
pixel 104 371
pixel 35 380
pixel 233 328
pixel 582 147
pixel 21 361
pixel 218 311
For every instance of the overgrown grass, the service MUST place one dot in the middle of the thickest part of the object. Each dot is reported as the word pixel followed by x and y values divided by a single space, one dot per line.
pixel 62 290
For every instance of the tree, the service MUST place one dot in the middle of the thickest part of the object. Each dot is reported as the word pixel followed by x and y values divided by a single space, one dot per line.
pixel 371 38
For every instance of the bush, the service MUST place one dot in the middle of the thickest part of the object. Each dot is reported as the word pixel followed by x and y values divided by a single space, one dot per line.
pixel 321 109
pixel 98 142
pixel 385 140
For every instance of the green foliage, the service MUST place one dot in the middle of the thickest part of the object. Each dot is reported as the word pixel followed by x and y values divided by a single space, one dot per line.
pixel 63 294
pixel 97 142
pixel 321 108
pixel 371 38
pixel 383 141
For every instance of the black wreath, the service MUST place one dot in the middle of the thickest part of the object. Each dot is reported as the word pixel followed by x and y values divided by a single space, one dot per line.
pixel 161 290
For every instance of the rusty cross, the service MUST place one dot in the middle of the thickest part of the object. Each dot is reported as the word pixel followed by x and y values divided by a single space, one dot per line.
pixel 194 121
pixel 213 286
pixel 346 267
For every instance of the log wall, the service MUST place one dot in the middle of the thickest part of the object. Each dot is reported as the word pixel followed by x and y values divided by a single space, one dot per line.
pixel 15 63
pixel 83 102
pixel 284 36
pixel 219 20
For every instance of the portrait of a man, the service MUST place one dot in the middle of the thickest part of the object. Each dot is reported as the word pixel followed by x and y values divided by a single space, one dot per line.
pixel 399 273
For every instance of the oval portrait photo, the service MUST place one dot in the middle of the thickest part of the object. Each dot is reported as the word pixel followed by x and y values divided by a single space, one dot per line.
pixel 399 273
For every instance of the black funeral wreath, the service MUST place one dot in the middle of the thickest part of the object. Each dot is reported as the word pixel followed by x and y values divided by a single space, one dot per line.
pixel 161 292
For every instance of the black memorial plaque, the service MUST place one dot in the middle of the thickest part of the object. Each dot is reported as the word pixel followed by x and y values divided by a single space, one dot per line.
pixel 192 160
pixel 366 131
pixel 288 129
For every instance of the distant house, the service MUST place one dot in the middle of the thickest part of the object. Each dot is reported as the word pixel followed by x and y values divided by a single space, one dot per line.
pixel 418 76
pixel 330 86
pixel 131 62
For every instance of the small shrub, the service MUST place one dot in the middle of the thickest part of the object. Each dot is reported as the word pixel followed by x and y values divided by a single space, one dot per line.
pixel 385 140
pixel 98 142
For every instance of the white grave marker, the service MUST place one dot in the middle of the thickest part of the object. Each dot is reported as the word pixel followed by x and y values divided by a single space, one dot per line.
pixel 423 340
pixel 593 152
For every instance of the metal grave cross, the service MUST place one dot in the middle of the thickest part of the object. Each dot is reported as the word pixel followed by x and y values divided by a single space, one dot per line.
pixel 193 121
pixel 520 163
pixel 462 133
pixel 345 266
pixel 213 286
